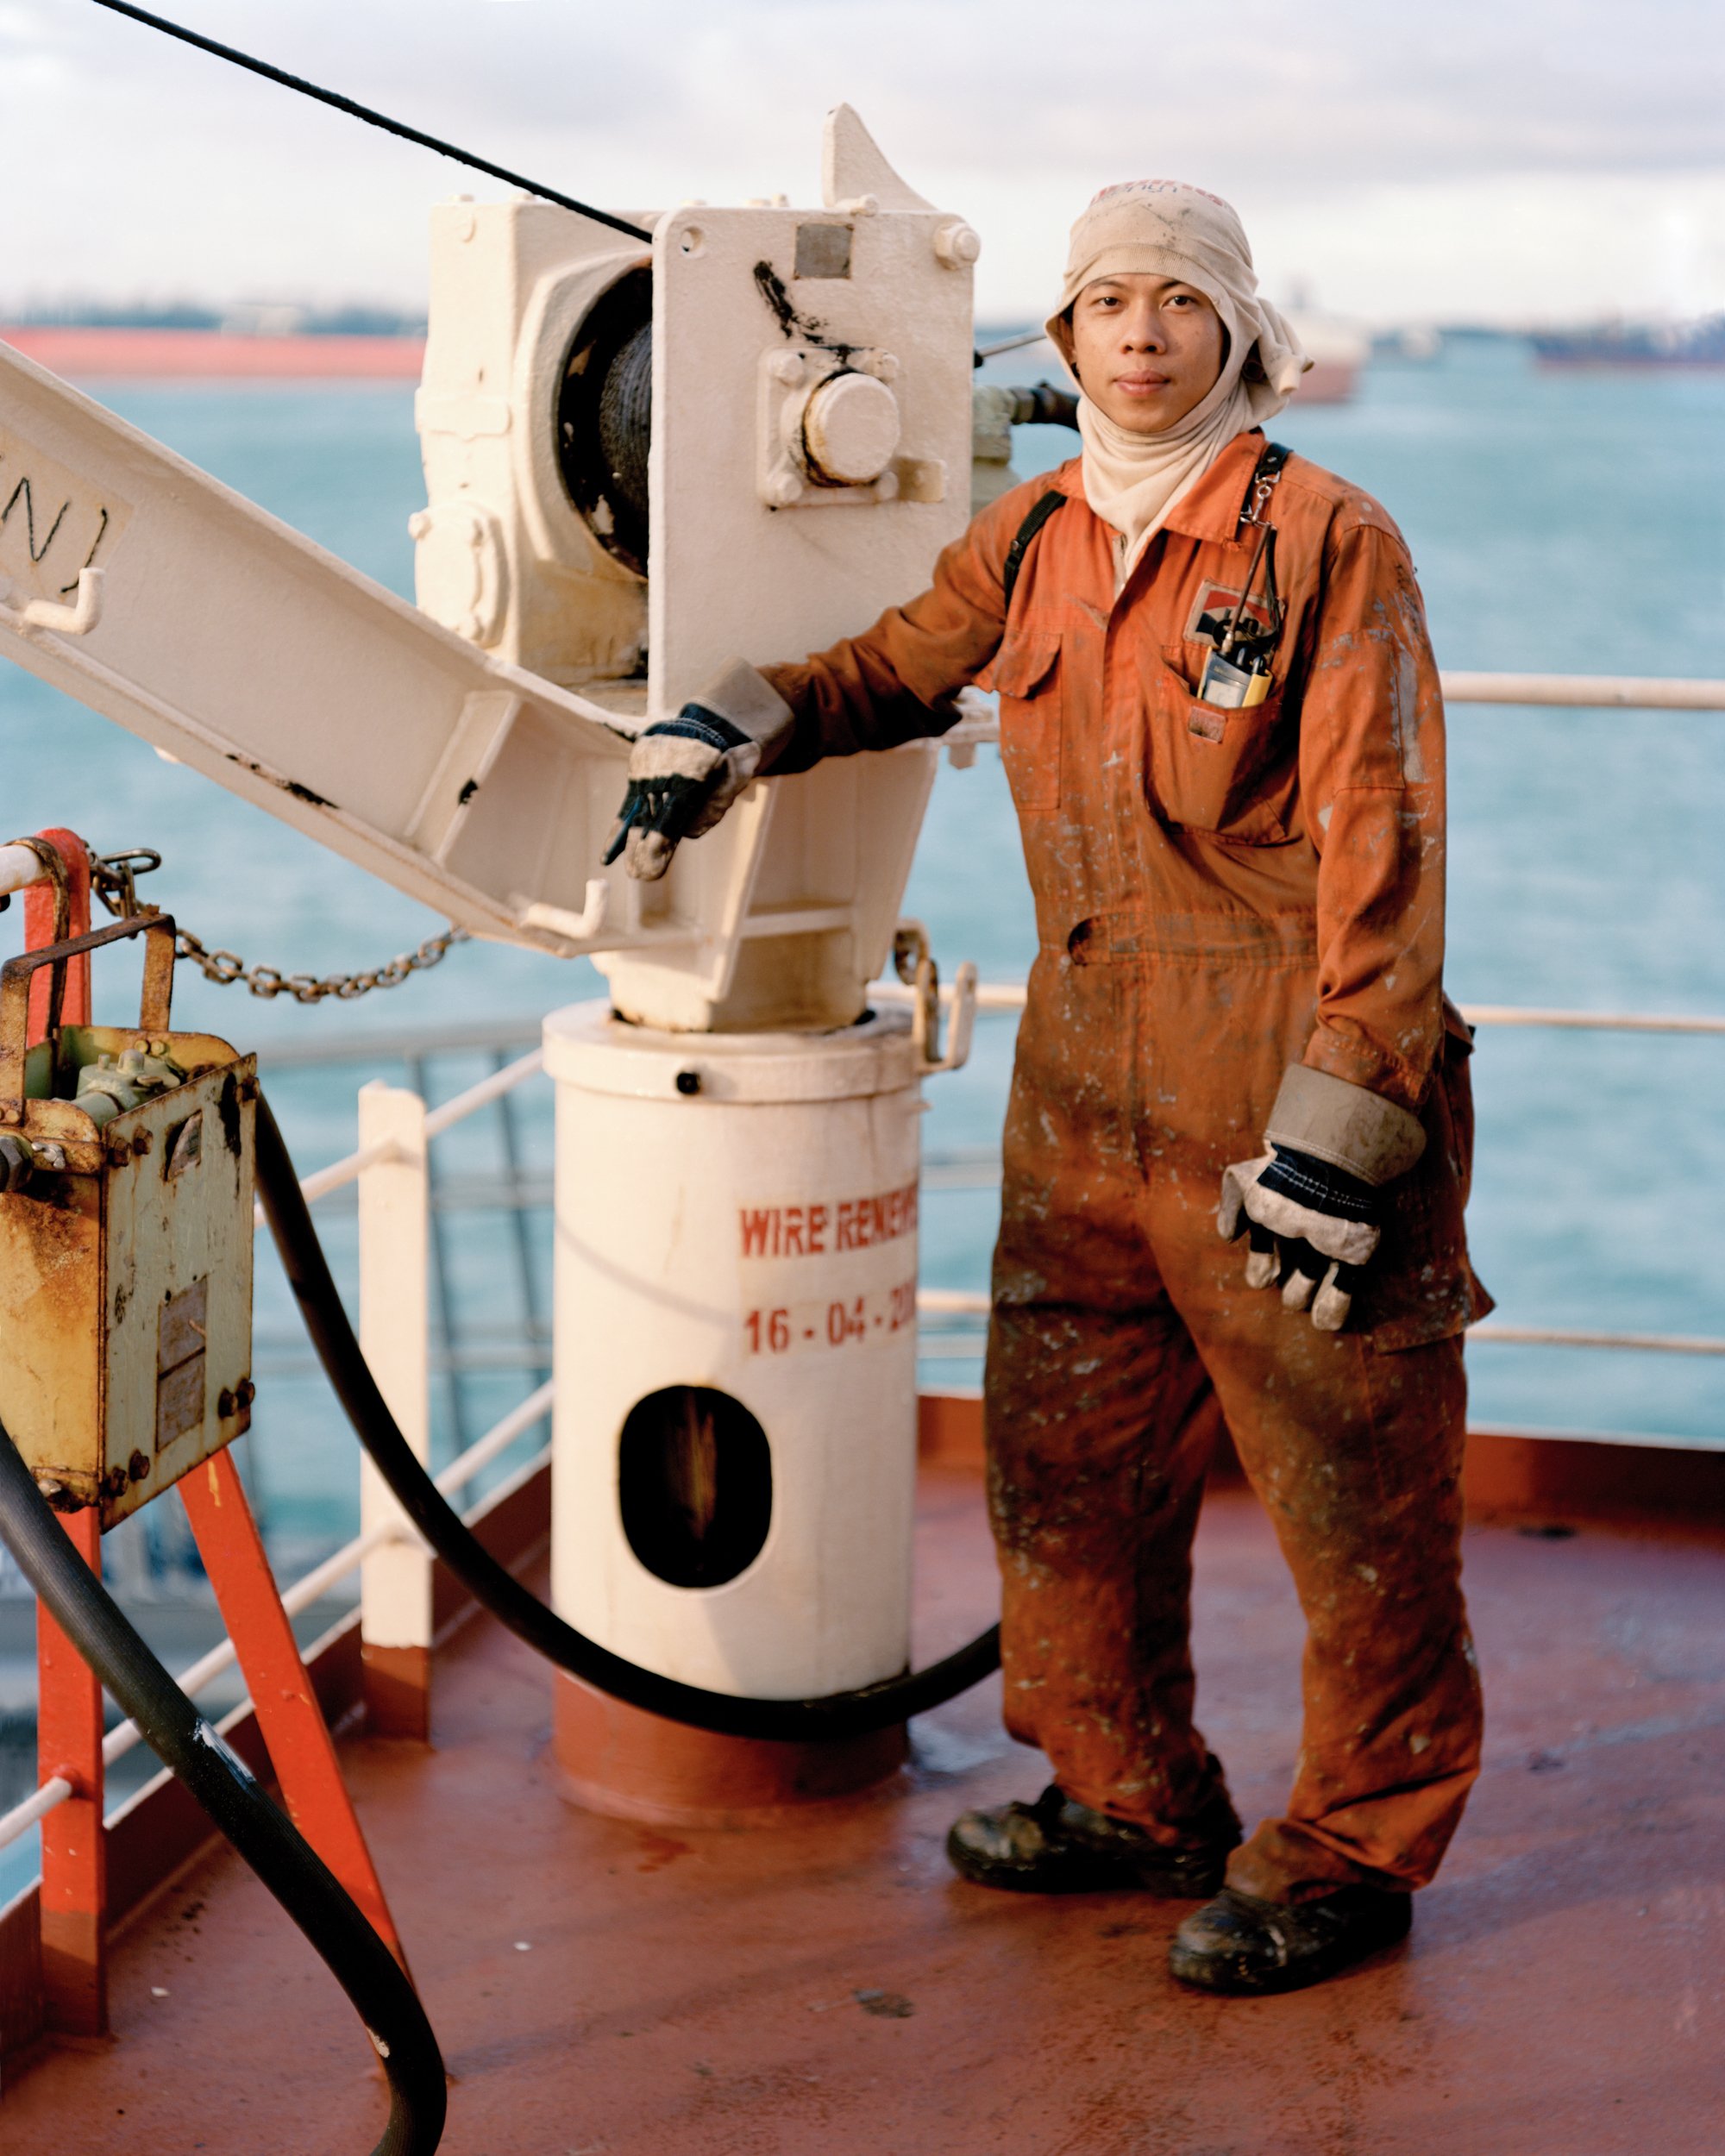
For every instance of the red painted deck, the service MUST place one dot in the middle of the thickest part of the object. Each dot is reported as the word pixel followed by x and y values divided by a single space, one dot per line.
pixel 829 1987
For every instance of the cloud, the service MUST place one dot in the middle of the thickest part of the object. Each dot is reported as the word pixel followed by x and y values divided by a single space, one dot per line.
pixel 1343 128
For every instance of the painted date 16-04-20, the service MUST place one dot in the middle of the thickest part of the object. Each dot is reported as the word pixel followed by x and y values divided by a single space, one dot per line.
pixel 845 1322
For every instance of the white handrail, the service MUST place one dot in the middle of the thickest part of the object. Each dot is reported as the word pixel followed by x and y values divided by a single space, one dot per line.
pixel 1585 692
pixel 438 1120
pixel 1592 1021
pixel 48 1798
pixel 1009 996
pixel 1572 692
pixel 1557 1336
pixel 300 1596
pixel 322 1181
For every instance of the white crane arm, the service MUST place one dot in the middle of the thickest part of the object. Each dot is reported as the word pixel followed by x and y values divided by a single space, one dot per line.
pixel 161 598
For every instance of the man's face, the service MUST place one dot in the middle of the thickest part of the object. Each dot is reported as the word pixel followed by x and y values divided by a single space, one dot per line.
pixel 1146 349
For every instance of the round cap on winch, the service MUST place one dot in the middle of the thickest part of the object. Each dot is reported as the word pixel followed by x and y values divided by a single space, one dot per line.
pixel 851 428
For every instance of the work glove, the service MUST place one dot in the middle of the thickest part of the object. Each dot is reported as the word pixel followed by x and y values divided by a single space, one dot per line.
pixel 684 773
pixel 1311 1208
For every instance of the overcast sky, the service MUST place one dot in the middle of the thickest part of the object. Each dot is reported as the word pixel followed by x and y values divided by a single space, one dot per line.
pixel 1489 159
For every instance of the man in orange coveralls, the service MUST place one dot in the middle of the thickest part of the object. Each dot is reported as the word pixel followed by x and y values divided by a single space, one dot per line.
pixel 1227 752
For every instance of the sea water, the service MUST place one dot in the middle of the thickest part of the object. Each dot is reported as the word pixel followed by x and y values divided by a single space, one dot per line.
pixel 1567 522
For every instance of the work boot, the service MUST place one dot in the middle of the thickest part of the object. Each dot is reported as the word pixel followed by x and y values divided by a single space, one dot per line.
pixel 1240 1943
pixel 1058 1846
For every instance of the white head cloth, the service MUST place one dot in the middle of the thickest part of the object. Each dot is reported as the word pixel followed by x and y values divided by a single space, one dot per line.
pixel 1161 228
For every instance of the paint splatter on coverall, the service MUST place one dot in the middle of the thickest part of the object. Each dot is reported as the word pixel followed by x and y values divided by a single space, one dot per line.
pixel 1210 910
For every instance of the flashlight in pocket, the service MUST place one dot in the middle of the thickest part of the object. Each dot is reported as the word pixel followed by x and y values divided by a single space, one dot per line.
pixel 1234 684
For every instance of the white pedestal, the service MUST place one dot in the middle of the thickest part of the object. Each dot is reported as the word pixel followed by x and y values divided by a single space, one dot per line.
pixel 735 1213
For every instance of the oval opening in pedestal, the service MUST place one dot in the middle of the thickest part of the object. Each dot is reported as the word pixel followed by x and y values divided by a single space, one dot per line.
pixel 694 1484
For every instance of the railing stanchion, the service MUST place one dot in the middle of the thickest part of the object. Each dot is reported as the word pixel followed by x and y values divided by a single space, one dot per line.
pixel 74 1904
pixel 395 1594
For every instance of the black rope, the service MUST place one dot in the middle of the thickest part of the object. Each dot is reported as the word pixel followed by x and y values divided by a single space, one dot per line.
pixel 496 1588
pixel 372 119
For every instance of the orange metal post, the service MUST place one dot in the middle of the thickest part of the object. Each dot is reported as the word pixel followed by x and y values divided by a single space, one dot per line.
pixel 39 929
pixel 68 1697
pixel 300 1746
pixel 74 1844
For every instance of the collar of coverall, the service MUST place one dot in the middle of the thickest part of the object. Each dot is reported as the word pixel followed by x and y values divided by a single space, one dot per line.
pixel 1211 509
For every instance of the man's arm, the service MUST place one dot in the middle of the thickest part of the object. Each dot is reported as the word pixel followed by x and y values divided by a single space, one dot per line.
pixel 1346 1123
pixel 894 683
pixel 897 680
pixel 1371 767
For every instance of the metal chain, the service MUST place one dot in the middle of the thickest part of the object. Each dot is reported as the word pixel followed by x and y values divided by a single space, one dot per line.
pixel 224 968
pixel 114 877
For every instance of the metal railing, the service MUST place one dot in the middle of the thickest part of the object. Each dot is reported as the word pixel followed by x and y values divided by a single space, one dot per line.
pixel 397 1130
pixel 1534 692
pixel 306 1591
pixel 394 1561
pixel 978 1171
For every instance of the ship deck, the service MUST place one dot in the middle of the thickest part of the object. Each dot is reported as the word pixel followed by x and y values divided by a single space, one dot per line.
pixel 828 1985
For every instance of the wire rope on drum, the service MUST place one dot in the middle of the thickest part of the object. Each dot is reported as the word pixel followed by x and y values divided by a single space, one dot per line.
pixel 496 1588
pixel 196 1754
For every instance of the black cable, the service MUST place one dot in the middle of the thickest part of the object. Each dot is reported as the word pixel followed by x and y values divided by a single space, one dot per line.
pixel 496 1588
pixel 372 119
pixel 293 1870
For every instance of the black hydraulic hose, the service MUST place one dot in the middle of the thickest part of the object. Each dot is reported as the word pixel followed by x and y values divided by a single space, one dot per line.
pixel 496 1588
pixel 185 1742
pixel 365 112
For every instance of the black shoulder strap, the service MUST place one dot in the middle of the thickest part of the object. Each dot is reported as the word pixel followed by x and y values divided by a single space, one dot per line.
pixel 1026 531
pixel 1262 485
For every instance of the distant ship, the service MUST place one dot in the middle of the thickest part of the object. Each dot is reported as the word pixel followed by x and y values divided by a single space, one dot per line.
pixel 1338 350
pixel 1636 344
pixel 88 352
pixel 248 344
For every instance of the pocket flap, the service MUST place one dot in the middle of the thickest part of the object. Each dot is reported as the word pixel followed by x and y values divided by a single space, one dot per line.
pixel 1023 663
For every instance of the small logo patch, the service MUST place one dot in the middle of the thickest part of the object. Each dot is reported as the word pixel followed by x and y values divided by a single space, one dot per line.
pixel 1213 609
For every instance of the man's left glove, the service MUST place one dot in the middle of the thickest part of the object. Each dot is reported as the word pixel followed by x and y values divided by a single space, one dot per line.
pixel 1311 1205
pixel 684 773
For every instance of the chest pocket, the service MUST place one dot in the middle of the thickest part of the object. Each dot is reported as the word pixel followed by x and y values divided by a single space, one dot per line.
pixel 1026 672
pixel 1227 775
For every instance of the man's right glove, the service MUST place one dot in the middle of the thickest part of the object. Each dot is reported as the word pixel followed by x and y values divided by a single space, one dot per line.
pixel 684 773
pixel 1311 1205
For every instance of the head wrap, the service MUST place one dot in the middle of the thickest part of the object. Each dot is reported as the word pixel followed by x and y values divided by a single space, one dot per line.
pixel 1162 228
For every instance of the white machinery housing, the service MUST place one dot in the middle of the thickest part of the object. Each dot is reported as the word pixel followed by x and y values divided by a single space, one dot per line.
pixel 642 462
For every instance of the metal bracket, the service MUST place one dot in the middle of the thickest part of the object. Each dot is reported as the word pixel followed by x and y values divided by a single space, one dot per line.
pixel 914 964
pixel 574 928
pixel 155 1002
pixel 76 620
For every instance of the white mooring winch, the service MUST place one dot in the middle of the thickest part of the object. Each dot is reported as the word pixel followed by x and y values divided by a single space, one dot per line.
pixel 641 464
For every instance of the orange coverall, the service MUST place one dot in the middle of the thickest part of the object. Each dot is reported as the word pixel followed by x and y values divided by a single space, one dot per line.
pixel 1217 896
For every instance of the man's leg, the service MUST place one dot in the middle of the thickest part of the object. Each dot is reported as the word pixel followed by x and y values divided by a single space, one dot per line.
pixel 1099 1427
pixel 1355 1455
pixel 1100 1422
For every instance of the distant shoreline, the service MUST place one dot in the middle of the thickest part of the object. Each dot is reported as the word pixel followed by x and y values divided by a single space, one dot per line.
pixel 87 352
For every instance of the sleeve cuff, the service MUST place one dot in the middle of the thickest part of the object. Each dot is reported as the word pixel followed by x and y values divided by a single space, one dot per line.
pixel 1351 1128
pixel 744 697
